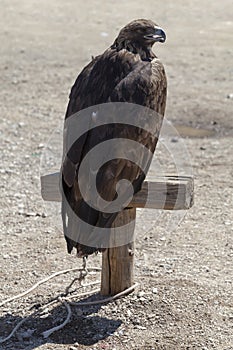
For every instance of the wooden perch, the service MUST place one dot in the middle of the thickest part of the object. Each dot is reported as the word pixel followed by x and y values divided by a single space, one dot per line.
pixel 169 193
pixel 118 262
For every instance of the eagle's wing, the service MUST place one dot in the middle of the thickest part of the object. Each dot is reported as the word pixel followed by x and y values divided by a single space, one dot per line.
pixel 146 85
pixel 142 83
pixel 93 86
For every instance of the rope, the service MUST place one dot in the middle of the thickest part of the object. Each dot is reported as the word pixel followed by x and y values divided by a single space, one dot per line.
pixel 65 300
pixel 46 279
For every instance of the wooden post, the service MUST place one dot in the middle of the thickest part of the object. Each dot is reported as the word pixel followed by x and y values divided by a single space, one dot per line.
pixel 118 262
pixel 167 193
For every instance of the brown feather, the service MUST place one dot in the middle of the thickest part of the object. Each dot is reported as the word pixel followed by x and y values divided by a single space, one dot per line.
pixel 126 72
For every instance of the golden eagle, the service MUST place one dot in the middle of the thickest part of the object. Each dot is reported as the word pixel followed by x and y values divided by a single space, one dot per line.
pixel 127 72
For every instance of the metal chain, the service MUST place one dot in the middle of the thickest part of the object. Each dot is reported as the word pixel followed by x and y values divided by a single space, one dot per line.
pixel 84 270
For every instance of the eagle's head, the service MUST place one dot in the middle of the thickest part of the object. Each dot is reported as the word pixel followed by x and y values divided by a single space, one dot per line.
pixel 139 34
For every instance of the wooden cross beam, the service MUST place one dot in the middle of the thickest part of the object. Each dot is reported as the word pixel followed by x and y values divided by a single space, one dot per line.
pixel 168 193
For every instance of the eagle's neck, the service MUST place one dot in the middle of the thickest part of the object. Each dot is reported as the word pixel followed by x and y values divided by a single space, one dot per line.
pixel 145 53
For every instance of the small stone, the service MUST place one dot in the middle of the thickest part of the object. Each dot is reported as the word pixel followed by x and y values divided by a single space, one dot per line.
pixel 79 312
pixel 27 334
pixel 30 214
pixel 140 327
pixel 136 322
pixel 104 34
pixel 142 299
pixel 155 290
pixel 97 337
pixel 228 223
pixel 109 333
pixel 21 124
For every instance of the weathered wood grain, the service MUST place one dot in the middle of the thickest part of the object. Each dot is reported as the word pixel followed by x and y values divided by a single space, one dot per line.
pixel 118 262
pixel 168 193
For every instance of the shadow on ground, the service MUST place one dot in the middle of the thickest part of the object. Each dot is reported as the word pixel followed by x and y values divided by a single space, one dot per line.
pixel 84 328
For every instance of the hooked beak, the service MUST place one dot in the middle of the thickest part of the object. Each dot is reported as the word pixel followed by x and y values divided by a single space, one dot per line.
pixel 158 36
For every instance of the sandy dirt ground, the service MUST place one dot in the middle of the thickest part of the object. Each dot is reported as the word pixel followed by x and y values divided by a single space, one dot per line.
pixel 184 299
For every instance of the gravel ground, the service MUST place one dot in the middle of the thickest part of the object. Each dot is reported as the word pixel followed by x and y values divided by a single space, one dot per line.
pixel 184 299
